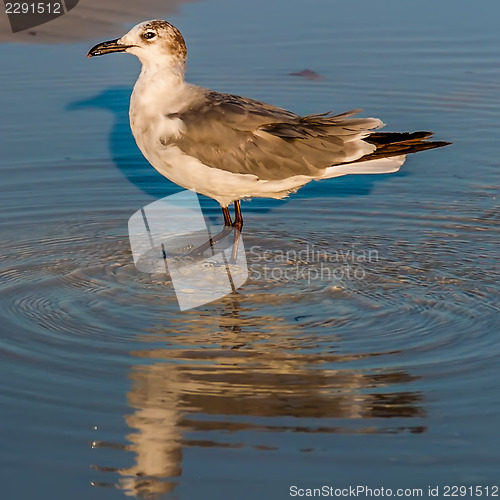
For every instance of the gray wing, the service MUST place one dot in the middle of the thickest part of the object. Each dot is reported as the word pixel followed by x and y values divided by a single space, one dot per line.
pixel 245 136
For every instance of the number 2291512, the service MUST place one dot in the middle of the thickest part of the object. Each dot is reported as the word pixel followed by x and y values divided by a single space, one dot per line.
pixel 34 8
pixel 474 491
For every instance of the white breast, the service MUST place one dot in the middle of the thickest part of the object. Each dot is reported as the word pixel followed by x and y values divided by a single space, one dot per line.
pixel 221 185
pixel 152 128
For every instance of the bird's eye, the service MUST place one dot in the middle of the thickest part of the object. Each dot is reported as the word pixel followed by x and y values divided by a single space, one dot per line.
pixel 149 35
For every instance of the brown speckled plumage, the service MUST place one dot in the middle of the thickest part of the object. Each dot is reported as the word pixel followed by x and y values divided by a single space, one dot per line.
pixel 176 44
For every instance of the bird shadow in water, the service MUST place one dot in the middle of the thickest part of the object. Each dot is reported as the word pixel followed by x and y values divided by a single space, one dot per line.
pixel 137 170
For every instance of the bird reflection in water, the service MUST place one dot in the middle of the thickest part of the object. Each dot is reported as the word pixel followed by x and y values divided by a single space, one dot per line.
pixel 254 368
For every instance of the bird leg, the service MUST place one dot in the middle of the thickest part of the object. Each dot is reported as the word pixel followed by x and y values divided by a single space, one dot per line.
pixel 238 218
pixel 226 230
pixel 229 225
pixel 238 225
pixel 227 216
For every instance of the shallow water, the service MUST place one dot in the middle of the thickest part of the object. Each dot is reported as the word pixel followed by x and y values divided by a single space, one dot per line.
pixel 364 348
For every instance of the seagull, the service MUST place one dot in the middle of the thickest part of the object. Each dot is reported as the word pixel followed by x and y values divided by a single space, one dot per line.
pixel 229 147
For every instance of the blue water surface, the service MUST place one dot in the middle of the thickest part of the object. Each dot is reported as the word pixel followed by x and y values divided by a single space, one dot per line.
pixel 387 378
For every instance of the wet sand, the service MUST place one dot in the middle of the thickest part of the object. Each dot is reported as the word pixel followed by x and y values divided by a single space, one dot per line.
pixel 91 19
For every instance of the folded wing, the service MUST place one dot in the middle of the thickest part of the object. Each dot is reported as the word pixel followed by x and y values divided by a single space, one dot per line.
pixel 245 136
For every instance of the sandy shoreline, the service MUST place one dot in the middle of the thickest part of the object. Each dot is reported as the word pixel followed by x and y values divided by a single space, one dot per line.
pixel 90 19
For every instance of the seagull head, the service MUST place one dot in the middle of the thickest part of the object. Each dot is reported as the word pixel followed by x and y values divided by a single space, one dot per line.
pixel 156 43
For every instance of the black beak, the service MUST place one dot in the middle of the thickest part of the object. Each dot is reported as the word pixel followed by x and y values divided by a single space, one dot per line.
pixel 107 48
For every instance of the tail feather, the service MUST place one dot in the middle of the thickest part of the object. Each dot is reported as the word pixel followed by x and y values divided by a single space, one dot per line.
pixel 400 143
pixel 389 155
pixel 375 166
pixel 381 138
